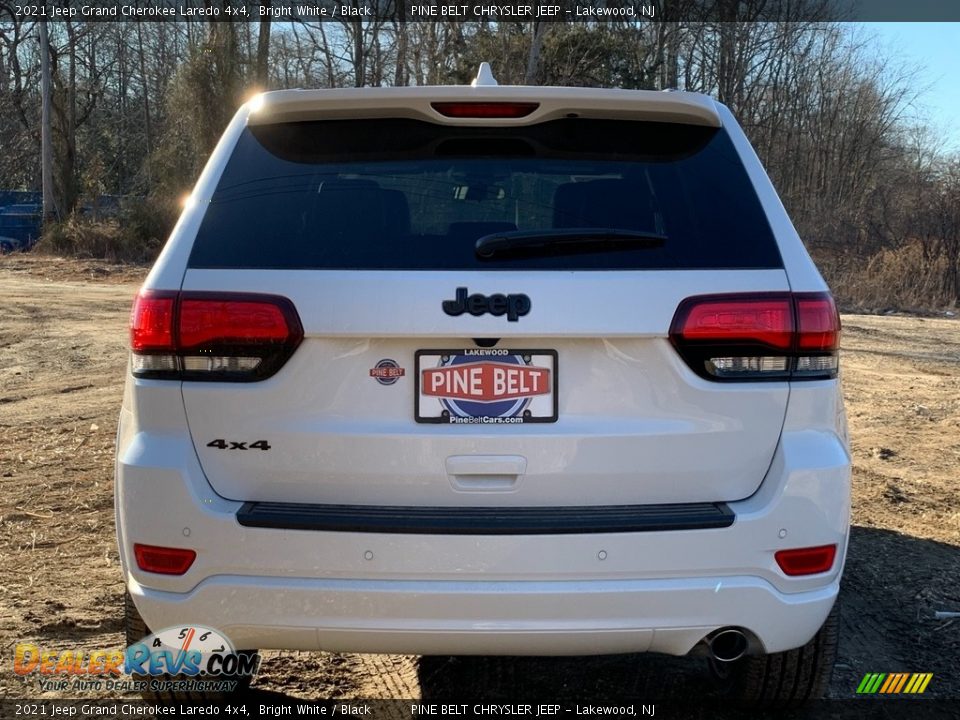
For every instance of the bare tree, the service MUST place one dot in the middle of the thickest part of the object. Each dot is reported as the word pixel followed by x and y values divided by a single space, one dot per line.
pixel 49 201
pixel 263 49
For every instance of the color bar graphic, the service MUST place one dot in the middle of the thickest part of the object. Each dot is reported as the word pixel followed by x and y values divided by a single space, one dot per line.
pixel 894 683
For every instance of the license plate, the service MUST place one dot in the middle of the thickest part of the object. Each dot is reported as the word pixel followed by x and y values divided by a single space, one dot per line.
pixel 486 386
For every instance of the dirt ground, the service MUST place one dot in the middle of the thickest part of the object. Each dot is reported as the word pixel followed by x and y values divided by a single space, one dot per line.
pixel 62 359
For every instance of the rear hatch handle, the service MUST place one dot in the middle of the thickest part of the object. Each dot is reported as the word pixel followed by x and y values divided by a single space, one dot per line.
pixel 485 473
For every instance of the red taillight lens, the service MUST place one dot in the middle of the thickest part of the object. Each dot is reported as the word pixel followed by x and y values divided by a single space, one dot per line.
pixel 758 336
pixel 212 336
pixel 485 109
pixel 819 324
pixel 163 560
pixel 228 322
pixel 763 321
pixel 151 322
pixel 806 561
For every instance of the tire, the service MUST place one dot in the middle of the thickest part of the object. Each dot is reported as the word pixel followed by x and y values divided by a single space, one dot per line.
pixel 136 629
pixel 785 679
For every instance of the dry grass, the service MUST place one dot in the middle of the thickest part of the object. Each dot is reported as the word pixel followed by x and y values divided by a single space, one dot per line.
pixel 904 278
pixel 135 235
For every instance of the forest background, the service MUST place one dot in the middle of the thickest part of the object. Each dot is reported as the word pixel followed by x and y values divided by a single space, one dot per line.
pixel 136 107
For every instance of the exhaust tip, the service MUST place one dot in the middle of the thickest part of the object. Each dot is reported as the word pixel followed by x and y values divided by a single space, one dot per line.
pixel 728 644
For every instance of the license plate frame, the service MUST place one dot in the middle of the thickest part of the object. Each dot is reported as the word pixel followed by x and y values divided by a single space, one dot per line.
pixel 536 399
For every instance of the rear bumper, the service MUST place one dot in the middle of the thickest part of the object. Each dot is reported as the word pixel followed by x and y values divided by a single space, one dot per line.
pixel 611 592
pixel 489 618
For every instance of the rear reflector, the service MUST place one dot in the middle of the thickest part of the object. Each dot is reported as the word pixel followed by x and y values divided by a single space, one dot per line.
pixel 757 336
pixel 236 337
pixel 163 560
pixel 806 561
pixel 484 109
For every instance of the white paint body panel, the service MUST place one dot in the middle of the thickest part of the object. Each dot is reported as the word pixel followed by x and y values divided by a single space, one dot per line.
pixel 636 426
pixel 549 594
pixel 554 102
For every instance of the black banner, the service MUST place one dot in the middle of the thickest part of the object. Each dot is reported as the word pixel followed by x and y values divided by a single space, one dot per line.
pixel 629 11
pixel 269 705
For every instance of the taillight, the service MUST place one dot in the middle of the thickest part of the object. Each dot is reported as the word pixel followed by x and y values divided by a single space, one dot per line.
pixel 212 336
pixel 818 336
pixel 485 109
pixel 163 560
pixel 806 561
pixel 758 336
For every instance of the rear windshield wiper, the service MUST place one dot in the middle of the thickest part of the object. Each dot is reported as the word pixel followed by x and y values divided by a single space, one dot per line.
pixel 565 240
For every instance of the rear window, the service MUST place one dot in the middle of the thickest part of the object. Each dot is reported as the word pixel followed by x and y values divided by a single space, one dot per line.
pixel 406 194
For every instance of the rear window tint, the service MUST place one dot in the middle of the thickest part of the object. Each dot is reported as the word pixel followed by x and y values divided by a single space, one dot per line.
pixel 406 194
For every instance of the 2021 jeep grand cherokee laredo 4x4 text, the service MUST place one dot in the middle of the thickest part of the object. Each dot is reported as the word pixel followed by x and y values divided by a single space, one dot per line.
pixel 489 370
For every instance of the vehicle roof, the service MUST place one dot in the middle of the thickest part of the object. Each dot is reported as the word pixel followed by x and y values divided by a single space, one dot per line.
pixel 415 103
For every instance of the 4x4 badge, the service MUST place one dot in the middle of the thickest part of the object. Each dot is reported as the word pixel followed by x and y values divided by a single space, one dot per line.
pixel 512 305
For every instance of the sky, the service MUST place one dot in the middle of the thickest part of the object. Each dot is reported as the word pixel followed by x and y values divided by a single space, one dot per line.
pixel 935 47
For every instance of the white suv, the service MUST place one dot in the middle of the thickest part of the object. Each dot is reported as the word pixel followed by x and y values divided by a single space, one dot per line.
pixel 489 370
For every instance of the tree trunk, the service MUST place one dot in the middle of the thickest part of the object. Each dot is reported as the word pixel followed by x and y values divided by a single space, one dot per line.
pixel 328 57
pixel 401 73
pixel 359 54
pixel 533 58
pixel 263 50
pixel 147 121
pixel 68 188
pixel 50 211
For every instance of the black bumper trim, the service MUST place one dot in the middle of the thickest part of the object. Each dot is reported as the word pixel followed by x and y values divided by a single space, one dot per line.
pixel 486 520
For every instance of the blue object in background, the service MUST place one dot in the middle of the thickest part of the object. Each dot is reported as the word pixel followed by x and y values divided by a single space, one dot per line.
pixel 21 216
pixel 21 220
